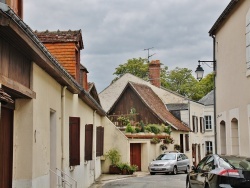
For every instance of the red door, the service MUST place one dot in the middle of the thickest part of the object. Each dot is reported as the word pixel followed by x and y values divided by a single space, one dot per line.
pixel 135 155
pixel 6 147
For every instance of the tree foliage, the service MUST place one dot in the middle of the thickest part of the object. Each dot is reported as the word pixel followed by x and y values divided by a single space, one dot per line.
pixel 179 80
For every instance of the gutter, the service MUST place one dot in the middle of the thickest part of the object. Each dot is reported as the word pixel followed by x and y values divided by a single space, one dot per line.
pixel 223 16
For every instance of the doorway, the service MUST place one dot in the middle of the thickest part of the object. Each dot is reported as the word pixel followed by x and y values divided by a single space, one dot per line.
pixel 6 146
pixel 135 155
pixel 53 137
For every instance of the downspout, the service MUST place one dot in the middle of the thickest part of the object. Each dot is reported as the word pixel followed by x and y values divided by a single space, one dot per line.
pixel 94 143
pixel 62 124
pixel 0 109
pixel 214 70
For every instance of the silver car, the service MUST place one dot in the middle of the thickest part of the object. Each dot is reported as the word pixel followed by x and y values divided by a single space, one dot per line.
pixel 169 163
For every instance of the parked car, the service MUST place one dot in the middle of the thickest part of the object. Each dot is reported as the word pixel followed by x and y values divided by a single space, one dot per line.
pixel 215 171
pixel 171 162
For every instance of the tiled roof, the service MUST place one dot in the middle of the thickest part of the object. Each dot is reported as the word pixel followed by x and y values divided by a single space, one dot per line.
pixel 177 106
pixel 208 99
pixel 151 99
pixel 60 36
pixel 4 97
pixel 111 93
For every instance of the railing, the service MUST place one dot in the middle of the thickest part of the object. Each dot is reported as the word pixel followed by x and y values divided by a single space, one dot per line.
pixel 119 123
pixel 63 180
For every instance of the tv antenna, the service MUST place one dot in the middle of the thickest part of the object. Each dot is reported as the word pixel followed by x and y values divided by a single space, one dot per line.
pixel 148 52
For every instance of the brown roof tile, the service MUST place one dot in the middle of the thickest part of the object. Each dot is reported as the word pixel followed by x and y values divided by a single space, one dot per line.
pixel 155 103
pixel 60 36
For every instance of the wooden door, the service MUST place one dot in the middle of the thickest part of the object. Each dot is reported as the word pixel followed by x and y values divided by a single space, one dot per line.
pixel 194 154
pixel 6 147
pixel 135 155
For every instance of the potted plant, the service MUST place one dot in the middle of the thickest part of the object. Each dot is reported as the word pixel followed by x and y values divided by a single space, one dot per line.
pixel 177 147
pixel 114 156
pixel 126 168
pixel 163 147
pixel 155 140
pixel 168 140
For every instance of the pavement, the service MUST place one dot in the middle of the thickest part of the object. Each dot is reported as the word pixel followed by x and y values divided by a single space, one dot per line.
pixel 105 178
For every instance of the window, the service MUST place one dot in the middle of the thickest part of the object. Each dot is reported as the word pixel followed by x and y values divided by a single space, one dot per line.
pixel 88 142
pixel 187 142
pixel 208 122
pixel 74 141
pixel 202 129
pixel 99 140
pixel 209 147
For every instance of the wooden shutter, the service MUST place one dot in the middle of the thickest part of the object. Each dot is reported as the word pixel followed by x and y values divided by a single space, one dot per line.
pixel 196 124
pixel 99 140
pixel 74 141
pixel 187 142
pixel 193 121
pixel 88 142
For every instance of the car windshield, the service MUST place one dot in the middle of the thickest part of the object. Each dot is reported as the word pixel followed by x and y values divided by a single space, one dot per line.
pixel 169 156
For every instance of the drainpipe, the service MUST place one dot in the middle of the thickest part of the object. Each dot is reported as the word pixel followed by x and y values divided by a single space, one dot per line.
pixel 94 142
pixel 214 69
pixel 62 124
pixel 0 109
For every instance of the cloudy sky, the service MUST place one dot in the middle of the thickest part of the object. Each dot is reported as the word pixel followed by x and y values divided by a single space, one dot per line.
pixel 117 30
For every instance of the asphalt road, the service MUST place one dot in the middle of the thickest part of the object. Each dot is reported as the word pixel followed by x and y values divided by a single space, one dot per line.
pixel 150 181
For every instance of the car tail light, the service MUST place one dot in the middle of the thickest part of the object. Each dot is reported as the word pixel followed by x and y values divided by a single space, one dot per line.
pixel 229 172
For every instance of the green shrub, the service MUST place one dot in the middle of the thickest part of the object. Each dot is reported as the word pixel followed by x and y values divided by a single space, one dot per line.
pixel 129 129
pixel 114 156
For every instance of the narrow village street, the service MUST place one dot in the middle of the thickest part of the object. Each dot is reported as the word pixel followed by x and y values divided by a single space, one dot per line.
pixel 141 180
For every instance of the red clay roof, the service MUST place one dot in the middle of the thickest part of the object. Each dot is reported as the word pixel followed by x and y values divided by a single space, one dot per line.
pixel 158 107
pixel 60 36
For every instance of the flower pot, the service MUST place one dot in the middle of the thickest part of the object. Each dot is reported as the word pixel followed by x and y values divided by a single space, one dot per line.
pixel 114 169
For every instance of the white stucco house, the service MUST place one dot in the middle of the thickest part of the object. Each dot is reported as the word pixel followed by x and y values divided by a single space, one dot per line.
pixel 53 130
pixel 230 34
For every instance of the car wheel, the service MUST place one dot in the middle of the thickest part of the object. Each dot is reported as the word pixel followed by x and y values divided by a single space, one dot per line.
pixel 188 184
pixel 174 170
pixel 152 173
pixel 187 170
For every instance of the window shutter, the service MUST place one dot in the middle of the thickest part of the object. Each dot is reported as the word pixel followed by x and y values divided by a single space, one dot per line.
pixel 187 142
pixel 99 140
pixel 88 142
pixel 74 141
pixel 196 124
pixel 193 122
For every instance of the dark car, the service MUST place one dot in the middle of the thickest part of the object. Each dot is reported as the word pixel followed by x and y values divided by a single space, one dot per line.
pixel 215 171
pixel 171 162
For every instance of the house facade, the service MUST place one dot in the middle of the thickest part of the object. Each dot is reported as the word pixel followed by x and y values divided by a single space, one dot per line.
pixel 231 47
pixel 52 126
pixel 188 112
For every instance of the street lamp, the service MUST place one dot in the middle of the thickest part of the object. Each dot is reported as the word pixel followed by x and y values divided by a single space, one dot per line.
pixel 199 70
pixel 199 73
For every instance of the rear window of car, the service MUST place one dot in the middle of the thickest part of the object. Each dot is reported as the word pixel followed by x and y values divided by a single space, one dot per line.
pixel 235 162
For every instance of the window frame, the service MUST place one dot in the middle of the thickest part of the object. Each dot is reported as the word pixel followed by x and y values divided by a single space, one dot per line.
pixel 208 147
pixel 208 122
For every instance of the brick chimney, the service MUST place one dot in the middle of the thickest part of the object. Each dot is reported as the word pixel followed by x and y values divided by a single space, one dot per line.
pixel 16 6
pixel 154 72
pixel 65 46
